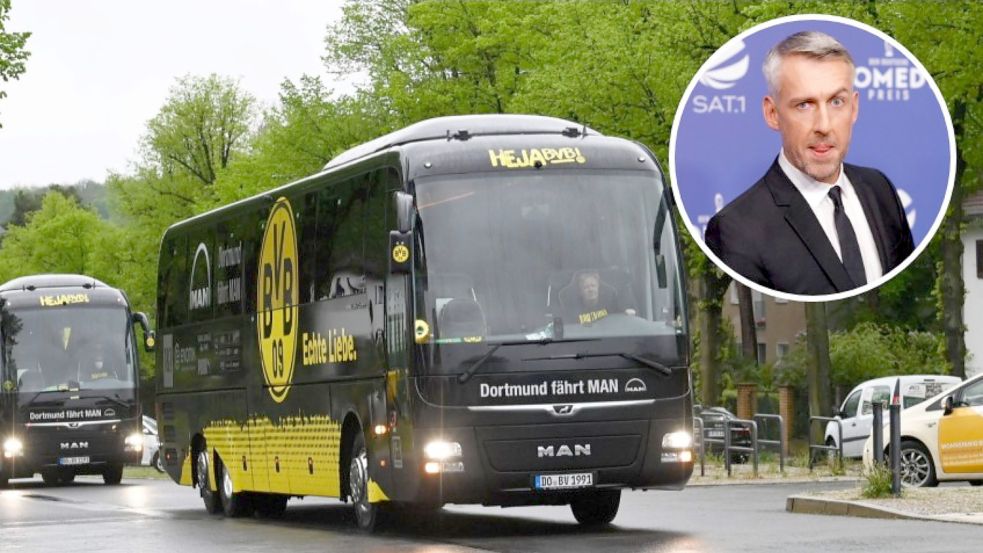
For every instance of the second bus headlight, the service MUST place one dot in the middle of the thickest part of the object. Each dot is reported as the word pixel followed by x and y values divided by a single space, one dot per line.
pixel 677 440
pixel 13 447
pixel 134 442
pixel 440 450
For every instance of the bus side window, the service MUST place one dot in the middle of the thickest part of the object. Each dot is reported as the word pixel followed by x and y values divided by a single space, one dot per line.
pixel 174 282
pixel 308 244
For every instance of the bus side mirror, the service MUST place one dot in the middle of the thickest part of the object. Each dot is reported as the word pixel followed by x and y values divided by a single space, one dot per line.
pixel 400 252
pixel 404 211
pixel 149 336
pixel 947 404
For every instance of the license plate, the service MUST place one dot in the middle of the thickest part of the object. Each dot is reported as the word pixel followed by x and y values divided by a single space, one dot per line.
pixel 715 433
pixel 564 481
pixel 73 461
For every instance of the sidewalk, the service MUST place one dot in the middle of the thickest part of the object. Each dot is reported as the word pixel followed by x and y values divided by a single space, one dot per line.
pixel 947 504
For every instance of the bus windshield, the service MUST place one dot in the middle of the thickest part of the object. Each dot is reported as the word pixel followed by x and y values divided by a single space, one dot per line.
pixel 546 255
pixel 64 349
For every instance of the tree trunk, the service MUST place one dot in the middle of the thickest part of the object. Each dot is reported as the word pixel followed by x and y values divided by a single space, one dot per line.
pixel 712 287
pixel 817 340
pixel 951 285
pixel 749 332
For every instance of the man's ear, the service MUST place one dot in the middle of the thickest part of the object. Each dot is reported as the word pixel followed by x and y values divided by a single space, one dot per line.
pixel 770 111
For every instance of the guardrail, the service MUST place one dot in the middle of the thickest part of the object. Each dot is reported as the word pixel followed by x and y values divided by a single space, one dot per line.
pixel 698 422
pixel 780 442
pixel 728 447
pixel 838 448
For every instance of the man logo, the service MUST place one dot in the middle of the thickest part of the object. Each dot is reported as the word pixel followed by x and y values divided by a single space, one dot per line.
pixel 75 445
pixel 636 385
pixel 563 451
pixel 566 409
pixel 277 289
pixel 724 74
pixel 201 292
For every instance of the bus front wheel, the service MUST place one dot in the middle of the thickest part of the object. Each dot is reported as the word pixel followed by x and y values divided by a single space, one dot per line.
pixel 366 513
pixel 596 508
pixel 210 497
pixel 112 474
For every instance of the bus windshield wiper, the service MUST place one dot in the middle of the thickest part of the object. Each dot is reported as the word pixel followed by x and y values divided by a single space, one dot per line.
pixel 467 374
pixel 654 365
pixel 117 400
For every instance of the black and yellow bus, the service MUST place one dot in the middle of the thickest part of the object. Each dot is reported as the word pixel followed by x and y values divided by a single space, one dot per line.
pixel 473 309
pixel 70 372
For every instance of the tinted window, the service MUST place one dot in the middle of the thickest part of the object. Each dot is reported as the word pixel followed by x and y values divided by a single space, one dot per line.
pixel 851 404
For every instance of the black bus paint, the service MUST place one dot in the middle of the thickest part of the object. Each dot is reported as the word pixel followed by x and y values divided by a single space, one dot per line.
pixel 299 325
pixel 69 370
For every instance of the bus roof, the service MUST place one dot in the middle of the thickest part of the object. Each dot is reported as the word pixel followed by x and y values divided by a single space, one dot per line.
pixel 37 282
pixel 463 127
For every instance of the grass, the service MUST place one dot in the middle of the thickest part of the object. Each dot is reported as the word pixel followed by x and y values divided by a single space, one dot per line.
pixel 876 482
pixel 144 472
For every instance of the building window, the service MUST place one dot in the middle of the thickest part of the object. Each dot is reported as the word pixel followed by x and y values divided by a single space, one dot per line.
pixel 733 290
pixel 762 354
pixel 979 259
pixel 781 350
pixel 758 304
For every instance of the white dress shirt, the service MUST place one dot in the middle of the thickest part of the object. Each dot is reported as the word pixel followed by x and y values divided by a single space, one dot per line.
pixel 816 195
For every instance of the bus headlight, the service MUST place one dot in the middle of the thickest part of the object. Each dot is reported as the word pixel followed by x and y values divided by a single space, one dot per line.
pixel 13 447
pixel 677 440
pixel 439 450
pixel 133 442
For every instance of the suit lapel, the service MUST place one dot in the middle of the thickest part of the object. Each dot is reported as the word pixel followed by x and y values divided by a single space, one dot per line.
pixel 873 215
pixel 803 221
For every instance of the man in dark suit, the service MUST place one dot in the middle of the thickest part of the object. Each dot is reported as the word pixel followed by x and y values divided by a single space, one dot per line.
pixel 812 225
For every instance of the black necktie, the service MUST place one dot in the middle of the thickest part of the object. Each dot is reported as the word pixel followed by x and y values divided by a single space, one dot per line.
pixel 849 247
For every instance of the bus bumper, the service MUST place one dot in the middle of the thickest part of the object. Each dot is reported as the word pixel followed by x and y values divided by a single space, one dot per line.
pixel 504 465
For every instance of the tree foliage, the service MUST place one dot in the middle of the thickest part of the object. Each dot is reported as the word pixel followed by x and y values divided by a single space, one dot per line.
pixel 13 56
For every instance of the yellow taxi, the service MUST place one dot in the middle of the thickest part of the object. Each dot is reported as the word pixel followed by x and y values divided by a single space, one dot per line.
pixel 941 438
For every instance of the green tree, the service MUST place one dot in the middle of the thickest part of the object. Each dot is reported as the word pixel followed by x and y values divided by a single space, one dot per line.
pixel 60 237
pixel 13 56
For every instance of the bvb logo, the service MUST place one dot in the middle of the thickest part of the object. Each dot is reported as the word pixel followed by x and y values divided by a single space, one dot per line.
pixel 401 253
pixel 276 323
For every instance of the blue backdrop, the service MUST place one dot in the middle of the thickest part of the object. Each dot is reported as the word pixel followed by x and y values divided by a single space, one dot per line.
pixel 721 145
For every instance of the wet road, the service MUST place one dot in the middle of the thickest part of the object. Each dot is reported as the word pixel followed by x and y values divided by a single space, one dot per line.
pixel 152 515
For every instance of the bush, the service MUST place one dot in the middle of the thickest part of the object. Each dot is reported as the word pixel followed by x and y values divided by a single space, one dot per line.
pixel 875 481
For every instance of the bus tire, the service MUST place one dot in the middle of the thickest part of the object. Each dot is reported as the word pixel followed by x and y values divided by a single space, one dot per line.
pixel 234 504
pixel 213 505
pixel 270 505
pixel 366 514
pixel 596 508
pixel 113 474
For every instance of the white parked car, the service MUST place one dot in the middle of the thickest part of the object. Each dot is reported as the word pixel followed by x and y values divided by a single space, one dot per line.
pixel 151 445
pixel 856 414
pixel 941 438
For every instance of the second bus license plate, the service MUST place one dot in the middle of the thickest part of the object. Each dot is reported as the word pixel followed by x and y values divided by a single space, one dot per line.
pixel 73 461
pixel 564 481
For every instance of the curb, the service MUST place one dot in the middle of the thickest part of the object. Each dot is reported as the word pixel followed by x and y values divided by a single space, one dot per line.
pixel 838 507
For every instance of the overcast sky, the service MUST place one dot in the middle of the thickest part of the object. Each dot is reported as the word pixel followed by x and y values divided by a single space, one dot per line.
pixel 99 69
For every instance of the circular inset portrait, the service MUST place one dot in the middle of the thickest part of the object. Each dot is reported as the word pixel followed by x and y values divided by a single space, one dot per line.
pixel 812 157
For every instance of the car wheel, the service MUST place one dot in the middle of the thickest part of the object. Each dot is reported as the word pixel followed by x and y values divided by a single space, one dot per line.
pixel 210 497
pixel 234 504
pixel 113 474
pixel 366 513
pixel 917 469
pixel 270 505
pixel 596 508
pixel 157 462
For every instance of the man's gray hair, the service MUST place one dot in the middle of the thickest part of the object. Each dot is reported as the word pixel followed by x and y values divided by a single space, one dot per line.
pixel 811 44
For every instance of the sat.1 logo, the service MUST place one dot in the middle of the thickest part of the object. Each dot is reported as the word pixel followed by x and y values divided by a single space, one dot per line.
pixel 276 322
pixel 726 68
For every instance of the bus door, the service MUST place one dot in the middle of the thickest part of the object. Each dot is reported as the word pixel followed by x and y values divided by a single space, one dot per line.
pixel 961 432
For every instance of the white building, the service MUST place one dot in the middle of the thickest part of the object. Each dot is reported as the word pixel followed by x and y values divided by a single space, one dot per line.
pixel 973 277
